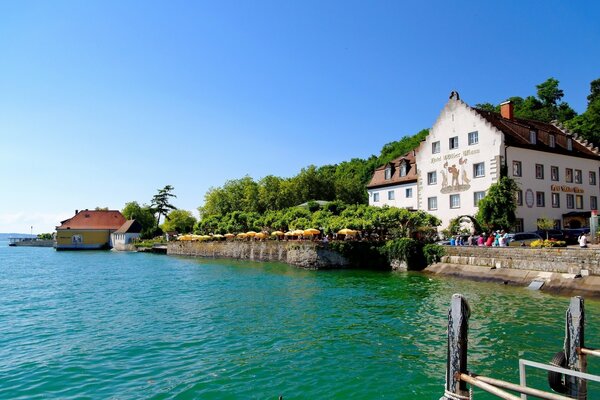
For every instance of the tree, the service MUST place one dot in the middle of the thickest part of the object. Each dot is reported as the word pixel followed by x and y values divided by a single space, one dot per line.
pixel 497 210
pixel 160 203
pixel 142 214
pixel 545 224
pixel 588 123
pixel 181 221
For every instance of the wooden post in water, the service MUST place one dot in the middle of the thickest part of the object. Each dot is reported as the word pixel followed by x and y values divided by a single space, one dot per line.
pixel 456 364
pixel 574 340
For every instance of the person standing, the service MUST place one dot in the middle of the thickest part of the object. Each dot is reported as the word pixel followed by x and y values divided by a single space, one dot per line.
pixel 582 241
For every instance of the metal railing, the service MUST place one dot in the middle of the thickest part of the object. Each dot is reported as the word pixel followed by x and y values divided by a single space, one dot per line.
pixel 570 379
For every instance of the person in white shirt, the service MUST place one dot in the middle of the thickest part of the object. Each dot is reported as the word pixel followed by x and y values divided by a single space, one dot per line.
pixel 582 240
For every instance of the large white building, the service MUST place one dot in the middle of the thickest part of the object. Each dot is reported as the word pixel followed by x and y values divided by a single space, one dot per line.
pixel 452 169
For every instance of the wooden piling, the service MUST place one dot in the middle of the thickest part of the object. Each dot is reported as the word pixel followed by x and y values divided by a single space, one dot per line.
pixel 574 340
pixel 456 364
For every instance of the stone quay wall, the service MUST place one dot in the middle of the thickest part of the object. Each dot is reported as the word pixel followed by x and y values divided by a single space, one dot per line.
pixel 566 260
pixel 304 254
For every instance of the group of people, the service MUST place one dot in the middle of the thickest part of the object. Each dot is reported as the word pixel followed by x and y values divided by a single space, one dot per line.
pixel 493 239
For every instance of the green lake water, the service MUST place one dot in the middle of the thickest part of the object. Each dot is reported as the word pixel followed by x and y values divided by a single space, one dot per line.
pixel 113 325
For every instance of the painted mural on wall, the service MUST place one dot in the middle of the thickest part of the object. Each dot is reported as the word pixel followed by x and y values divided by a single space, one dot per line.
pixel 455 177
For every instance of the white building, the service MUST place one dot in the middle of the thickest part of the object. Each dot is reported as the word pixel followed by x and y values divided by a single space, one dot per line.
pixel 452 169
pixel 123 238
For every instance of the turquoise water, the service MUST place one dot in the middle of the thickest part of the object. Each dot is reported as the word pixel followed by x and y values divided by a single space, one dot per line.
pixel 129 326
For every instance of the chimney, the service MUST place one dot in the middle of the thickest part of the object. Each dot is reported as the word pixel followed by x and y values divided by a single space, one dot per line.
pixel 506 110
pixel 76 212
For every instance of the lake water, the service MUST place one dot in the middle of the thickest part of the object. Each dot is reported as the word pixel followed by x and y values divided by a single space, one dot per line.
pixel 130 326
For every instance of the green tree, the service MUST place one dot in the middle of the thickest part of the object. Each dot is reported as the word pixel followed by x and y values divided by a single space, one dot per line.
pixel 545 224
pixel 161 203
pixel 142 214
pixel 588 123
pixel 181 221
pixel 497 210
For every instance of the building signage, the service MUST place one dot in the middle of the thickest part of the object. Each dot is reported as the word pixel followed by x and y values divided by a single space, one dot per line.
pixel 453 156
pixel 567 189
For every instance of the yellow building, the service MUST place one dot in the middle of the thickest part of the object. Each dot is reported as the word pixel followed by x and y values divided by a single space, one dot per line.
pixel 88 230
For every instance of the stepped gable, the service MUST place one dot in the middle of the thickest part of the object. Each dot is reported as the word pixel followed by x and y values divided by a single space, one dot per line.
pixel 94 219
pixel 379 180
pixel 516 132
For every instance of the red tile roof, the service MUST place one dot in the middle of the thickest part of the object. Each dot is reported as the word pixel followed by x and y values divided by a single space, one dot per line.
pixel 517 130
pixel 92 219
pixel 379 180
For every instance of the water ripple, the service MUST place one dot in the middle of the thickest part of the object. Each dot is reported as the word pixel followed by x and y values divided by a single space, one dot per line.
pixel 129 326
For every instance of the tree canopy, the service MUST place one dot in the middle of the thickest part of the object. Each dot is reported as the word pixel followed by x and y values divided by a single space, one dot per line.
pixel 161 202
pixel 181 221
pixel 497 210
pixel 344 182
pixel 548 106
pixel 142 214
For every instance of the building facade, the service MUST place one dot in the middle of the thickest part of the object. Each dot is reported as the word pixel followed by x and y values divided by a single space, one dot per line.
pixel 465 151
pixel 88 230
pixel 123 237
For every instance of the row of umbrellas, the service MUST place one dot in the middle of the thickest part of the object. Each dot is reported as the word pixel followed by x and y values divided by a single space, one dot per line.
pixel 264 235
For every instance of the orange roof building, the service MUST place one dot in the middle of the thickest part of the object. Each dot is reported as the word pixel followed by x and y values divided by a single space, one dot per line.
pixel 88 230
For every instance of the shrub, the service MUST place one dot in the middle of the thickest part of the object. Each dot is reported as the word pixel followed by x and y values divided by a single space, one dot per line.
pixel 407 250
pixel 547 243
pixel 433 253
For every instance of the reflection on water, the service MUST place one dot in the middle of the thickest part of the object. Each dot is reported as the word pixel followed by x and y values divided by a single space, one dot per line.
pixel 102 324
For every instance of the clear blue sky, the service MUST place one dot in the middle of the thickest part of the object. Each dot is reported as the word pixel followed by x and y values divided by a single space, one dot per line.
pixel 104 102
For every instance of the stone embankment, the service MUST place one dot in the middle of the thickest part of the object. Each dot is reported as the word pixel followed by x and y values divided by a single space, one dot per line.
pixel 304 254
pixel 560 270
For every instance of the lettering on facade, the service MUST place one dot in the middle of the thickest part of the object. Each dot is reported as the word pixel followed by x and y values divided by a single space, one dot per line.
pixel 452 156
pixel 566 189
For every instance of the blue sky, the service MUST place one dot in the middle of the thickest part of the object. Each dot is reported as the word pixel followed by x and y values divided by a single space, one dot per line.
pixel 104 102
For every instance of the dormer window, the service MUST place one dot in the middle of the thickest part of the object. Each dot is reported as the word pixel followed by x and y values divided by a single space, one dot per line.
pixel 533 136
pixel 569 144
pixel 552 141
pixel 388 172
pixel 403 168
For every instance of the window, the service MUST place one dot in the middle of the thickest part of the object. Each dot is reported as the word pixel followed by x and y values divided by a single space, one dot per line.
pixel 579 202
pixel 435 147
pixel 556 200
pixel 432 203
pixel 578 178
pixel 569 144
pixel 533 136
pixel 570 201
pixel 539 171
pixel 552 141
pixel 453 144
pixel 391 195
pixel 388 173
pixel 518 226
pixel 554 173
pixel 569 175
pixel 477 196
pixel 408 193
pixel 473 138
pixel 455 201
pixel 592 178
pixel 519 197
pixel 375 197
pixel 479 170
pixel 432 178
pixel 593 203
pixel 516 168
pixel 540 199
pixel 403 168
